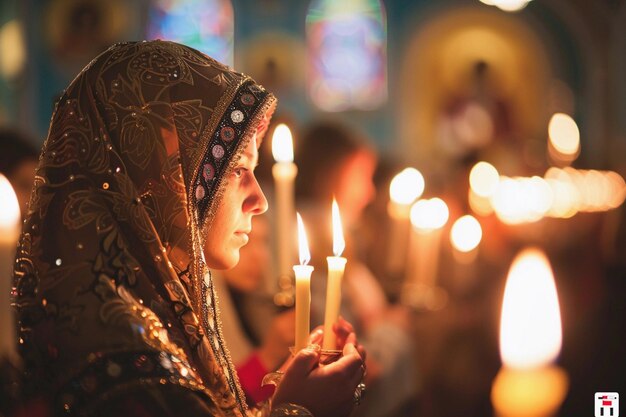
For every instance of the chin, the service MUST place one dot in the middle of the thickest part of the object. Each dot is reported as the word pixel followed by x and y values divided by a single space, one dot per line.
pixel 226 261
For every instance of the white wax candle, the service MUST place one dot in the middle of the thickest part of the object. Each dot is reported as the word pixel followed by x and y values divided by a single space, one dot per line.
pixel 404 189
pixel 303 288
pixel 424 257
pixel 428 218
pixel 9 234
pixel 336 266
pixel 284 172
pixel 303 304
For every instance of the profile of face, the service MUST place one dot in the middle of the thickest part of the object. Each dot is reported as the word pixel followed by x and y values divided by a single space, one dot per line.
pixel 355 187
pixel 255 258
pixel 242 199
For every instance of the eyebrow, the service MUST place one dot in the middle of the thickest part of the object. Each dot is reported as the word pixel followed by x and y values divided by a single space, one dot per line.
pixel 251 157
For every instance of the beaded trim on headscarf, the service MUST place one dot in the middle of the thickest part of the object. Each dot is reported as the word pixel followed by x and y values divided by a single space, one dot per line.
pixel 228 134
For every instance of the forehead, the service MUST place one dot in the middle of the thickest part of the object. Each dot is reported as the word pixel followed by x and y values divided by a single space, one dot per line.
pixel 250 151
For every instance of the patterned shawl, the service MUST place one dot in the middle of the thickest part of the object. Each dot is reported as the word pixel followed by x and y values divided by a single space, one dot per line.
pixel 110 288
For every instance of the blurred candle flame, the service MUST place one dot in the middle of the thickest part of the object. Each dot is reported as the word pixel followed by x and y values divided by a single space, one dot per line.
pixel 406 186
pixel 10 208
pixel 339 243
pixel 530 324
pixel 282 144
pixel 303 244
pixel 466 233
pixel 484 179
pixel 429 214
pixel 564 135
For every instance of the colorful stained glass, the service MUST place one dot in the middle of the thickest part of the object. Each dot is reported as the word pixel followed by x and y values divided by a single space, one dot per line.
pixel 207 25
pixel 347 54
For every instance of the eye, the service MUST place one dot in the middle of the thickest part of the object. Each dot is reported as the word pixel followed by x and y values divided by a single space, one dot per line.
pixel 238 172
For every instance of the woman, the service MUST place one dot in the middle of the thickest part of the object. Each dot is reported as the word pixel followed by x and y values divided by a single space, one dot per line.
pixel 144 183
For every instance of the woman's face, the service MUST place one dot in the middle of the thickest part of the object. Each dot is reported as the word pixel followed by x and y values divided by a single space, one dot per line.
pixel 255 259
pixel 242 199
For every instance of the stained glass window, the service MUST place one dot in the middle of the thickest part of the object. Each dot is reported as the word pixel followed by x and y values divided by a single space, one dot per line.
pixel 347 61
pixel 206 25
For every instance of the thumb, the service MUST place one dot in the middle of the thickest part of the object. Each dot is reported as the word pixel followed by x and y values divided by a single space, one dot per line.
pixel 304 362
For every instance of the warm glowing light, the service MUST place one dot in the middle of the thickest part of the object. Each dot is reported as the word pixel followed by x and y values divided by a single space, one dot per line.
pixel 429 214
pixel 479 205
pixel 12 49
pixel 303 243
pixel 564 134
pixel 566 199
pixel 10 208
pixel 508 202
pixel 407 186
pixel 466 233
pixel 282 144
pixel 522 199
pixel 339 243
pixel 507 5
pixel 618 189
pixel 530 325
pixel 484 179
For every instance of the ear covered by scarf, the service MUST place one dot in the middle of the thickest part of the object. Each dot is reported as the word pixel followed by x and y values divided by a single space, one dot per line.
pixel 110 285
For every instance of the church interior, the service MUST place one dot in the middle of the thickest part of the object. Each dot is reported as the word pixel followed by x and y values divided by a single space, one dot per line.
pixel 498 129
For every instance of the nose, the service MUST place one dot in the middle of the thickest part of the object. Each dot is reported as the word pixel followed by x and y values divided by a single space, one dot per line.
pixel 256 203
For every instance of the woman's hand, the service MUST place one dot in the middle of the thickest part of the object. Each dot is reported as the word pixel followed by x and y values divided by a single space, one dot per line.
pixel 326 390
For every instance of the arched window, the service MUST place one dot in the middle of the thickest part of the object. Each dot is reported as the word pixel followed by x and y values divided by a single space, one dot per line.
pixel 206 25
pixel 347 56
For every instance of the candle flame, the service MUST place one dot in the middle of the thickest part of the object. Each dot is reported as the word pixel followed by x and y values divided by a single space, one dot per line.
pixel 339 243
pixel 530 325
pixel 484 179
pixel 406 186
pixel 466 233
pixel 303 245
pixel 564 136
pixel 10 208
pixel 429 214
pixel 282 144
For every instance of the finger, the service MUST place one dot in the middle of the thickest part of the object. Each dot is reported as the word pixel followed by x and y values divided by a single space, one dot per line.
pixel 316 336
pixel 362 352
pixel 348 363
pixel 345 323
pixel 342 329
pixel 304 361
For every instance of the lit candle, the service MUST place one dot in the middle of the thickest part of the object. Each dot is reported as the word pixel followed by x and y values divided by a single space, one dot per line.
pixel 529 385
pixel 303 289
pixel 428 218
pixel 336 266
pixel 465 236
pixel 284 172
pixel 404 189
pixel 9 234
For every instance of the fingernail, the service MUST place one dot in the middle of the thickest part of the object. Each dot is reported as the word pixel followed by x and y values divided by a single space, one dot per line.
pixel 313 347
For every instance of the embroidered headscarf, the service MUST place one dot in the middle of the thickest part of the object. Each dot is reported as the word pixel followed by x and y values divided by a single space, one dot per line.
pixel 111 288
